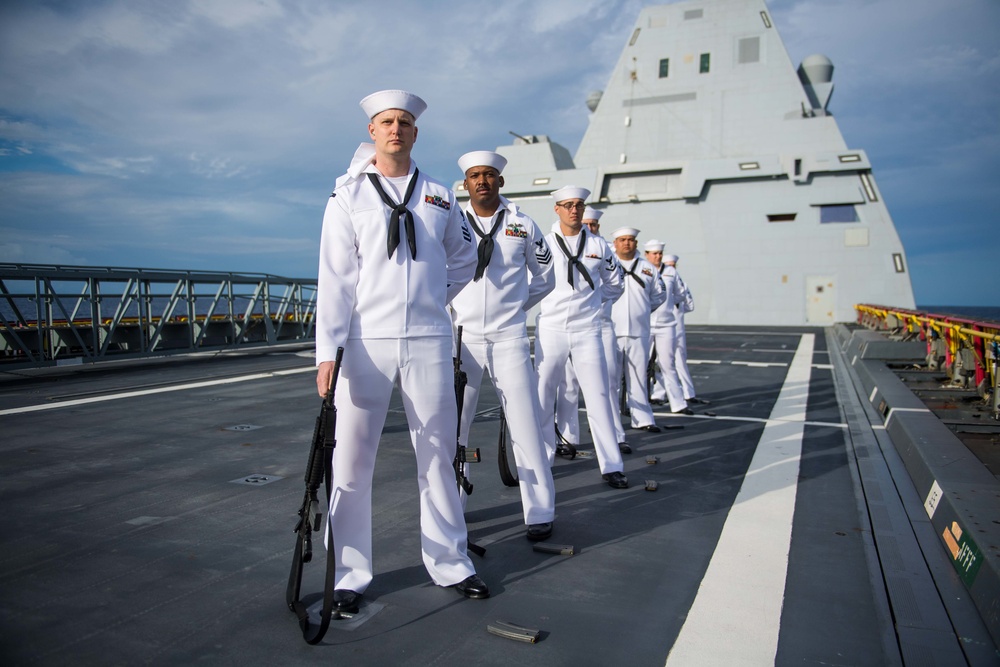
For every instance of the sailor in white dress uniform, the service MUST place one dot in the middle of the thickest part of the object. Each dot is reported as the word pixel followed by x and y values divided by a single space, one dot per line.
pixel 644 294
pixel 569 328
pixel 684 306
pixel 513 273
pixel 568 392
pixel 389 264
pixel 663 332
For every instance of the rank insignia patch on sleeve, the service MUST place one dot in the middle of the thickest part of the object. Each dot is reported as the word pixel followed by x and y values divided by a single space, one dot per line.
pixel 542 253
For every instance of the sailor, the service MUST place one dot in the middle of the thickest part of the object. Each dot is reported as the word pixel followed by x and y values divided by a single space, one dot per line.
pixel 663 332
pixel 513 273
pixel 569 327
pixel 644 294
pixel 395 249
pixel 684 306
pixel 592 221
pixel 568 392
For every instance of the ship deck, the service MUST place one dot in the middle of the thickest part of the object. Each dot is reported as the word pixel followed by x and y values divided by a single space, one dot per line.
pixel 149 510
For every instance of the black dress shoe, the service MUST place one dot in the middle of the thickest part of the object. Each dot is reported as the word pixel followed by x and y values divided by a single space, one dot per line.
pixel 346 601
pixel 624 448
pixel 684 411
pixel 656 401
pixel 700 401
pixel 539 531
pixel 472 587
pixel 616 480
pixel 651 428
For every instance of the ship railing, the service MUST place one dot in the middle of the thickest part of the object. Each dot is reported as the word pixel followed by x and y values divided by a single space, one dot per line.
pixel 967 349
pixel 55 314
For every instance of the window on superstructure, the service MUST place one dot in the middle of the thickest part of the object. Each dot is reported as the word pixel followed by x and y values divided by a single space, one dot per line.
pixel 781 217
pixel 706 59
pixel 664 68
pixel 693 14
pixel 838 213
pixel 897 262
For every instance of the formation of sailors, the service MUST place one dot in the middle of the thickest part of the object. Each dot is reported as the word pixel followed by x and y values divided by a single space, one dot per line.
pixel 401 264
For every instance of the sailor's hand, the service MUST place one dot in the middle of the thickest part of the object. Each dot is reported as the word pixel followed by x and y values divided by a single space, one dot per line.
pixel 324 375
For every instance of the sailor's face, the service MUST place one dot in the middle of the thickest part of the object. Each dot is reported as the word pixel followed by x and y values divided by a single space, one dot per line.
pixel 570 212
pixel 483 185
pixel 655 257
pixel 625 246
pixel 593 225
pixel 394 132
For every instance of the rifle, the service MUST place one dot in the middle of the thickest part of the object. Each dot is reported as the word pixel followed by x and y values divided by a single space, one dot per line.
pixel 319 466
pixel 651 374
pixel 508 477
pixel 463 455
pixel 623 394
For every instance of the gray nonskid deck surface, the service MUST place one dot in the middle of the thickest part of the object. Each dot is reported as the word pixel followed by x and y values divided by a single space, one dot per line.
pixel 129 539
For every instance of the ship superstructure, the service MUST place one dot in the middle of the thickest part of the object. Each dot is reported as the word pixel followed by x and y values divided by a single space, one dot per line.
pixel 707 137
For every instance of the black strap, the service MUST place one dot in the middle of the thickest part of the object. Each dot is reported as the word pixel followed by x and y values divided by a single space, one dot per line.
pixel 574 260
pixel 632 273
pixel 393 237
pixel 485 242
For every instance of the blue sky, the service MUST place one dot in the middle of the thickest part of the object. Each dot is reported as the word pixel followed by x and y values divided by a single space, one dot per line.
pixel 207 134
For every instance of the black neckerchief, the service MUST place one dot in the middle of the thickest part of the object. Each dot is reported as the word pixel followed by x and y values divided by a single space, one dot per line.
pixel 485 242
pixel 631 272
pixel 574 260
pixel 397 209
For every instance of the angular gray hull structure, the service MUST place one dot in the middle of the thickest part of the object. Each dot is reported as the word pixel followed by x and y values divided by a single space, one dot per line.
pixel 708 139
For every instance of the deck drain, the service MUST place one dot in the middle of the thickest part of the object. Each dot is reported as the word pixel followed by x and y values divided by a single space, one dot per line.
pixel 243 427
pixel 255 479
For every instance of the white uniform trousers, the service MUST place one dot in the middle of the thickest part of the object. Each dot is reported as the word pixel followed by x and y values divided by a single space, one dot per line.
pixel 553 350
pixel 681 360
pixel 634 352
pixel 613 356
pixel 423 369
pixel 568 407
pixel 667 383
pixel 509 365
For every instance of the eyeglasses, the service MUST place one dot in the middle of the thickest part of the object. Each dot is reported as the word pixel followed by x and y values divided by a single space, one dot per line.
pixel 569 206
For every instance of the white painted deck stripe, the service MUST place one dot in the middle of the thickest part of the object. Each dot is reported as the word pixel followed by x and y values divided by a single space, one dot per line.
pixel 146 392
pixel 736 614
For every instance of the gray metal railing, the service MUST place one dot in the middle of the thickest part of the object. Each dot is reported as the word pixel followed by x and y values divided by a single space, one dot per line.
pixel 53 314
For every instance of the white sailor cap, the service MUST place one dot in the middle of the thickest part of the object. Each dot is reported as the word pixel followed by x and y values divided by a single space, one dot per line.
pixel 591 213
pixel 625 231
pixel 652 245
pixel 670 258
pixel 570 192
pixel 378 102
pixel 482 159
